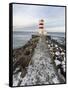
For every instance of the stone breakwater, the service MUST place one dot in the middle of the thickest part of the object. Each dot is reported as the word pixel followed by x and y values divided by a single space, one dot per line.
pixel 41 71
pixel 34 63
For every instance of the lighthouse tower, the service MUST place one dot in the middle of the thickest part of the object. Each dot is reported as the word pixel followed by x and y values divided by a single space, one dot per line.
pixel 41 27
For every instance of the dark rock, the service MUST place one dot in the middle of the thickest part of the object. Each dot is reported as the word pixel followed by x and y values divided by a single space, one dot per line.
pixel 23 72
pixel 61 70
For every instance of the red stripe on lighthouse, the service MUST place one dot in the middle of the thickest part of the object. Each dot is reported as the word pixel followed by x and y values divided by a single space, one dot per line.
pixel 41 27
pixel 41 24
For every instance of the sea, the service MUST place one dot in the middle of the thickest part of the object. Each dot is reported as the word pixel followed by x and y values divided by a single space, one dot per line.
pixel 20 38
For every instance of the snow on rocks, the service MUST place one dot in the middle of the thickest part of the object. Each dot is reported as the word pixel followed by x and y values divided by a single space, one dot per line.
pixel 48 46
pixel 62 53
pixel 57 62
pixel 55 80
pixel 58 55
pixel 42 70
pixel 63 66
pixel 56 45
pixel 16 70
pixel 16 79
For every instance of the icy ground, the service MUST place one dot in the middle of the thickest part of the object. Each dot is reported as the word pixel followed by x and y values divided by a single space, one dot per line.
pixel 41 71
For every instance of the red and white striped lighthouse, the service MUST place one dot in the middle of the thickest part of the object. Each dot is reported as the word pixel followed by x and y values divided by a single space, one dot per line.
pixel 41 27
pixel 41 24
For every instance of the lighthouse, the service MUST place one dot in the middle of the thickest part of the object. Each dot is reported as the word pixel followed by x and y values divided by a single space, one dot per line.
pixel 42 28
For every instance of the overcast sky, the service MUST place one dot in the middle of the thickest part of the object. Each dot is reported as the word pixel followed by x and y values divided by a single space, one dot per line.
pixel 27 17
